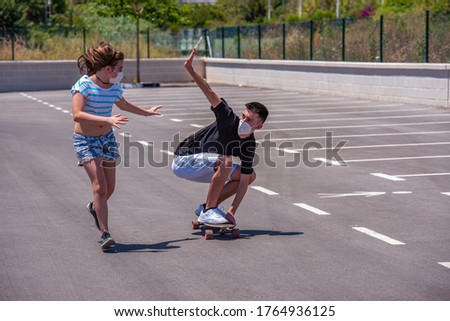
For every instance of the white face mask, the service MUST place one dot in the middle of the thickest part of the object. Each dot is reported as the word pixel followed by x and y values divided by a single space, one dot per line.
pixel 117 79
pixel 244 128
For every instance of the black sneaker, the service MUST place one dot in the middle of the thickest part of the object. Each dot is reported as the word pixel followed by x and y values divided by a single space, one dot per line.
pixel 106 241
pixel 91 210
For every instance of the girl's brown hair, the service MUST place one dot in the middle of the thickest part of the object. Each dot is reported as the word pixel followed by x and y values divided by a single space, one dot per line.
pixel 96 58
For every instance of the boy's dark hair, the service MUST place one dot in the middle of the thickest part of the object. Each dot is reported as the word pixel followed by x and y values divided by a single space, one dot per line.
pixel 259 109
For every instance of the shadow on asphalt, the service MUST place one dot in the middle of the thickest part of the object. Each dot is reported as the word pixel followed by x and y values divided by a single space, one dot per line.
pixel 164 246
pixel 247 234
pixel 140 248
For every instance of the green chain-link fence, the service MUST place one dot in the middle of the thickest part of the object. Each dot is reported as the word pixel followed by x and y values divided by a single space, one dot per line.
pixel 412 38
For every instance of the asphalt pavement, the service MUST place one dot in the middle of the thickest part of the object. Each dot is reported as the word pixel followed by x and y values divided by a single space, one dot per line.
pixel 351 202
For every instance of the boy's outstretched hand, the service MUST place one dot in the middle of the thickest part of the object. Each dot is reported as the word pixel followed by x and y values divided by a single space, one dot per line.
pixel 188 62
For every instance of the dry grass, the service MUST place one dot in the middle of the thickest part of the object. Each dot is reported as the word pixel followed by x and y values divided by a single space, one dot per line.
pixel 404 41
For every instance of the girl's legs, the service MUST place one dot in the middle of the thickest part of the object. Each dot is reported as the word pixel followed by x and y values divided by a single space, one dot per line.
pixel 102 176
pixel 110 174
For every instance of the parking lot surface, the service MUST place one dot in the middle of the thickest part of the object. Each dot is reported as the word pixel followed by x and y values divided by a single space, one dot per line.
pixel 351 202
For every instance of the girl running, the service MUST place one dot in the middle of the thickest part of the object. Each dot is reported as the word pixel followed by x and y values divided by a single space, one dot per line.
pixel 93 97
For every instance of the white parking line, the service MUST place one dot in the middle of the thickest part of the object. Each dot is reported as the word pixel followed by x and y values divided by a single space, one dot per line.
pixel 359 135
pixel 446 264
pixel 311 209
pixel 353 119
pixel 125 134
pixel 389 177
pixel 143 142
pixel 176 120
pixel 424 175
pixel 264 190
pixel 358 106
pixel 168 152
pixel 378 236
pixel 329 161
pixel 401 177
pixel 395 158
pixel 196 125
pixel 445 193
pixel 325 113
pixel 370 146
pixel 289 150
pixel 354 126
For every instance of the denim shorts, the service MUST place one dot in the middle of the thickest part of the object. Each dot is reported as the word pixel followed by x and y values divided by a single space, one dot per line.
pixel 90 147
pixel 197 167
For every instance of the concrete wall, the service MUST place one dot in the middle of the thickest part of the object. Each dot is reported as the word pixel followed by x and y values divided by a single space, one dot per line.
pixel 53 75
pixel 426 84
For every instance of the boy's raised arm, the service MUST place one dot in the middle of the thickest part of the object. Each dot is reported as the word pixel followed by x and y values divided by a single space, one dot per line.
pixel 210 94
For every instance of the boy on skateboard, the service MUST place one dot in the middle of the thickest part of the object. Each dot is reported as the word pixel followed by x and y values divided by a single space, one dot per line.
pixel 206 156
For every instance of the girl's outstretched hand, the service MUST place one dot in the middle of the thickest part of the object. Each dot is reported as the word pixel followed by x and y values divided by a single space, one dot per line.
pixel 153 110
pixel 117 120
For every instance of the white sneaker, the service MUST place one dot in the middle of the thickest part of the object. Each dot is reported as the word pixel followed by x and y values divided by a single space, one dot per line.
pixel 200 209
pixel 212 216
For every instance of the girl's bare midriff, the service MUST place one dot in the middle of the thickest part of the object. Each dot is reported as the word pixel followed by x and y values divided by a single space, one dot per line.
pixel 92 130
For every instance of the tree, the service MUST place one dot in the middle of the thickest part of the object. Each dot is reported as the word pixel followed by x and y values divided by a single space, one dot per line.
pixel 27 12
pixel 11 13
pixel 202 15
pixel 243 11
pixel 161 13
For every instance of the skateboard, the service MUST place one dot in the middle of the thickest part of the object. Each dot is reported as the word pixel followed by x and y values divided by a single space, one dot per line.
pixel 212 230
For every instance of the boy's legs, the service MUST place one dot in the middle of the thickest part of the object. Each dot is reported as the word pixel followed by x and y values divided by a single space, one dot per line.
pixel 223 167
pixel 213 169
pixel 230 187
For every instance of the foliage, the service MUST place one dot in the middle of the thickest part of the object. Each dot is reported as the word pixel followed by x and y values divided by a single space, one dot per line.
pixel 11 13
pixel 202 15
pixel 168 14
pixel 116 21
pixel 163 14
pixel 27 12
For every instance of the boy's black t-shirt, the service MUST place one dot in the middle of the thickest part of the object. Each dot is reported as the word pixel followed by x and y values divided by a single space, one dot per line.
pixel 221 137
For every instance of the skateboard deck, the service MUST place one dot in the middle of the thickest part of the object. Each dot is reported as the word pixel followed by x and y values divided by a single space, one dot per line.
pixel 213 230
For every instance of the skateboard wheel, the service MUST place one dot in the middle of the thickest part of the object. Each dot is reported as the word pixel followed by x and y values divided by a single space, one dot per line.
pixel 235 233
pixel 195 225
pixel 209 234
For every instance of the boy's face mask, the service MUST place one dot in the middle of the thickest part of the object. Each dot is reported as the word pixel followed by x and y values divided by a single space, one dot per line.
pixel 244 128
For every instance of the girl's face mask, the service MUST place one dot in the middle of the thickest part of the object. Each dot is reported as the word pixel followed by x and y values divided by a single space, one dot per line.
pixel 117 79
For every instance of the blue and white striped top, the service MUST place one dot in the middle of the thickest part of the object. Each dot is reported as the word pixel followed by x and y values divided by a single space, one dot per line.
pixel 100 101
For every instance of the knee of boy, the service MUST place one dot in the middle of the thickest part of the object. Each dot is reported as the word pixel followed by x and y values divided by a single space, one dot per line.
pixel 252 177
pixel 225 163
pixel 229 163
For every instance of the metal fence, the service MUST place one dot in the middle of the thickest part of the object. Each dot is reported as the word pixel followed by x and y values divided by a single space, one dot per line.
pixel 412 38
pixel 420 38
